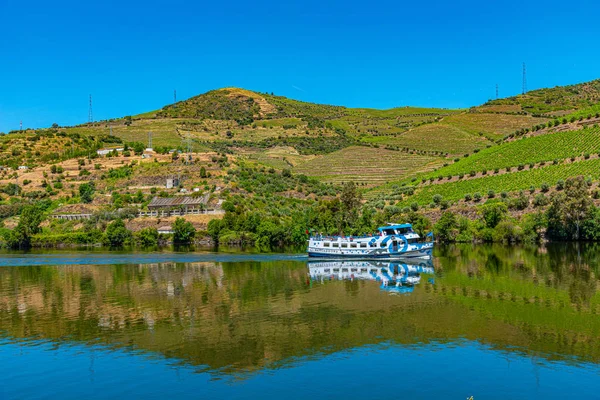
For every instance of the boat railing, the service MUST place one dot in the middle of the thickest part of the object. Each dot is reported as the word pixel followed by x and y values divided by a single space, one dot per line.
pixel 334 238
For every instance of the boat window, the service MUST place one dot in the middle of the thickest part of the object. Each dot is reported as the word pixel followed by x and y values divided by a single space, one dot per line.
pixel 413 240
pixel 353 245
pixel 344 245
pixel 344 269
pixel 336 270
pixel 353 269
pixel 389 231
pixel 382 245
pixel 326 244
pixel 335 244
pixel 326 270
pixel 363 245
pixel 373 244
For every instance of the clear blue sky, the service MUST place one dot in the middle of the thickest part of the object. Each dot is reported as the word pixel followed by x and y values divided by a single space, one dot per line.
pixel 131 55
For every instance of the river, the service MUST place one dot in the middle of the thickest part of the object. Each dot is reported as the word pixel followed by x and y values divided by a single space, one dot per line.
pixel 489 321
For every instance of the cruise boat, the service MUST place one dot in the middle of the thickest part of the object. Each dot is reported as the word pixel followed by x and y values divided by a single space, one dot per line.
pixel 398 277
pixel 390 241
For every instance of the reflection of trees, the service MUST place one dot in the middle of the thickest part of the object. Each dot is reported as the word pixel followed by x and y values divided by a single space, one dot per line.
pixel 249 315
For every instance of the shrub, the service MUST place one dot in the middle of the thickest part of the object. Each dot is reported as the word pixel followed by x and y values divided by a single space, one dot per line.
pixel 519 203
pixel 532 189
pixel 477 197
pixel 414 206
pixel 86 192
pixel 560 185
pixel 437 198
pixel 491 194
pixel 545 187
pixel 504 195
pixel 540 200
pixel 468 197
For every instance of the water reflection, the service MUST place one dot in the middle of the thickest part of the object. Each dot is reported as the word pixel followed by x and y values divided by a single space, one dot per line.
pixel 237 316
pixel 393 276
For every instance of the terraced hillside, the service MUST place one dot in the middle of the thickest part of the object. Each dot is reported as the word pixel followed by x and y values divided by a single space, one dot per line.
pixel 493 126
pixel 520 180
pixel 436 137
pixel 366 166
pixel 537 149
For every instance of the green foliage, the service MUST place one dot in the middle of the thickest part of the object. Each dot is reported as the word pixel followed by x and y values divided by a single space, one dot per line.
pixel 119 173
pixel 29 225
pixel 183 231
pixel 493 213
pixel 86 192
pixel 116 234
pixel 147 237
pixel 446 229
pixel 569 210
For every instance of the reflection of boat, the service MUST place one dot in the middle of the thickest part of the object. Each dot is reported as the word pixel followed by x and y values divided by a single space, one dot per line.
pixel 389 242
pixel 394 276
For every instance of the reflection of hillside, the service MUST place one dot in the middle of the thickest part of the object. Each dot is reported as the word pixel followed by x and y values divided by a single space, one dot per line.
pixel 249 315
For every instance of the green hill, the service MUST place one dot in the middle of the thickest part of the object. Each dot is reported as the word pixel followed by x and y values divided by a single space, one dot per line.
pixel 559 100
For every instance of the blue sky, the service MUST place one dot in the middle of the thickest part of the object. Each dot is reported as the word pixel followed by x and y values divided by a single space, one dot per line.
pixel 131 55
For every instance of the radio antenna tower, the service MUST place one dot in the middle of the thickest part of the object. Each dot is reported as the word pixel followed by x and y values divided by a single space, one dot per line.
pixel 90 114
pixel 524 79
pixel 496 91
pixel 174 96
pixel 21 126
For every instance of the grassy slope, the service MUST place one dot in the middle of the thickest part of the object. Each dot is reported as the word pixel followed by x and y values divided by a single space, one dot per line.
pixel 366 165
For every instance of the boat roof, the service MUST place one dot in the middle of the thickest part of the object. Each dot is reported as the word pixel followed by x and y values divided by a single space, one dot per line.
pixel 395 226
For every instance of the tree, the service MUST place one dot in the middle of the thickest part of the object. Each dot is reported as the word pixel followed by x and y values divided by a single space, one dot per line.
pixel 86 192
pixel 183 231
pixel 148 237
pixel 569 209
pixel 203 172
pixel 29 225
pixel 350 199
pixel 117 234
pixel 446 229
pixel 493 213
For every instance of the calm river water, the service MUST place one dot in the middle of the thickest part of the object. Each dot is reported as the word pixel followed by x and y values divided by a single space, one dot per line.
pixel 491 322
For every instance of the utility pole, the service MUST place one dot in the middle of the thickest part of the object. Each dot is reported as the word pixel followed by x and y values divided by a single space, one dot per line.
pixel 90 114
pixel 149 140
pixel 21 126
pixel 174 96
pixel 524 79
pixel 496 91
